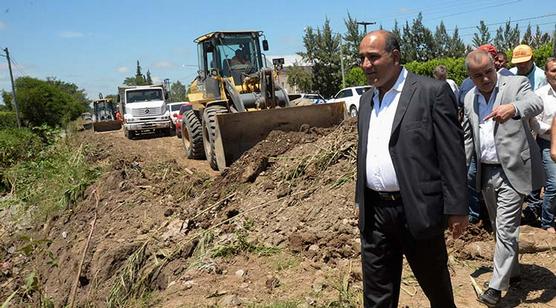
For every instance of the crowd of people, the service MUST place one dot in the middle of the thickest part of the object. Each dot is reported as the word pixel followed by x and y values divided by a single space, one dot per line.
pixel 496 156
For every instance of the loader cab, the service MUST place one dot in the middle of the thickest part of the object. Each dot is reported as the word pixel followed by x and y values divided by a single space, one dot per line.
pixel 229 54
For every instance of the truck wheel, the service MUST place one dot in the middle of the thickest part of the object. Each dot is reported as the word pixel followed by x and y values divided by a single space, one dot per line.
pixel 209 132
pixel 192 136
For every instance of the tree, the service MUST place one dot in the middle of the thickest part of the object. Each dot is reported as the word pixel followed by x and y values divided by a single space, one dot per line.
pixel 149 79
pixel 178 92
pixel 528 37
pixel 456 47
pixel 442 41
pixel 8 104
pixel 322 50
pixel 352 39
pixel 43 102
pixel 137 80
pixel 506 37
pixel 300 77
pixel 78 95
pixel 422 40
pixel 356 77
pixel 407 44
pixel 483 37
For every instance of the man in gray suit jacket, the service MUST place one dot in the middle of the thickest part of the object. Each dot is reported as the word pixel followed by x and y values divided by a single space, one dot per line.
pixel 509 166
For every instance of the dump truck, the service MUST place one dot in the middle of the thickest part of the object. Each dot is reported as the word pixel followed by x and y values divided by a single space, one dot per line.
pixel 236 101
pixel 104 116
pixel 144 109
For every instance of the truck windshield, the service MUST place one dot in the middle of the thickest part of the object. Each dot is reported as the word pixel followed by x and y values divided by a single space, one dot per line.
pixel 144 95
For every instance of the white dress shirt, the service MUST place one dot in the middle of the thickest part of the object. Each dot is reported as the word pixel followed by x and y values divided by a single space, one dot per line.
pixel 486 128
pixel 381 175
pixel 542 122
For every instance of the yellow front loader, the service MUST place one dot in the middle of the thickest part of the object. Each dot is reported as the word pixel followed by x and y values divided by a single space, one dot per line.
pixel 236 101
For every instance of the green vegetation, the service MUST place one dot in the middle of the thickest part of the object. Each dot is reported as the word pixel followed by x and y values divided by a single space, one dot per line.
pixel 52 181
pixel 455 67
pixel 279 304
pixel 48 102
pixel 7 119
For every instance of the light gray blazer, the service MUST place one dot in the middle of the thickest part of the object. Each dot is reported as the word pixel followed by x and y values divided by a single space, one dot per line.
pixel 518 153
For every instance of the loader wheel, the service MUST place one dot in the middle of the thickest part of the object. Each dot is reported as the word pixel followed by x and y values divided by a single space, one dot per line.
pixel 209 132
pixel 192 136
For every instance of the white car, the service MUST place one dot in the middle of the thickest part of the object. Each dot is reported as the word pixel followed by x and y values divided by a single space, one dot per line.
pixel 351 97
pixel 174 109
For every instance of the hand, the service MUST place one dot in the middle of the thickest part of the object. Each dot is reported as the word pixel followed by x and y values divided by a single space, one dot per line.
pixel 457 224
pixel 502 113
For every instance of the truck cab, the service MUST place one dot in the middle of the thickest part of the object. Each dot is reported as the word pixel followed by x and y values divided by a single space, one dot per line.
pixel 144 109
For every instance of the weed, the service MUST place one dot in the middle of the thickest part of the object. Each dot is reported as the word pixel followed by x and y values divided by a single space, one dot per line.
pixel 279 304
pixel 53 181
pixel 284 262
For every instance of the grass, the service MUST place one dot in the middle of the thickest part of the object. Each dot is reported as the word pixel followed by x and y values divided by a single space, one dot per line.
pixel 279 304
pixel 284 261
pixel 51 182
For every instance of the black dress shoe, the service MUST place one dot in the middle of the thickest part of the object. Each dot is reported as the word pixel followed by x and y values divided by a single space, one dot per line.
pixel 490 297
pixel 514 282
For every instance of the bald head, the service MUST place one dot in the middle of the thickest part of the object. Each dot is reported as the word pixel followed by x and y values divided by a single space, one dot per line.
pixel 389 40
pixel 476 57
pixel 481 70
pixel 380 59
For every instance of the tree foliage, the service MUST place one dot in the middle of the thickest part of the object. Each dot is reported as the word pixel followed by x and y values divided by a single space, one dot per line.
pixel 8 104
pixel 506 37
pixel 178 92
pixel 355 77
pixel 139 79
pixel 300 77
pixel 48 102
pixel 322 49
pixel 483 36
pixel 352 39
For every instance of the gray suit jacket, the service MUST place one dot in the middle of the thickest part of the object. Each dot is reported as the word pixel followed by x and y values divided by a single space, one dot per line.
pixel 517 151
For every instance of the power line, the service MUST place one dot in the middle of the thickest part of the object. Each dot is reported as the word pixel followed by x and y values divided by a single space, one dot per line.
pixel 474 10
pixel 433 9
pixel 512 21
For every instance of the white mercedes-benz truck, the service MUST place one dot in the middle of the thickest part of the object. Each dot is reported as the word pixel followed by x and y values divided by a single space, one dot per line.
pixel 144 109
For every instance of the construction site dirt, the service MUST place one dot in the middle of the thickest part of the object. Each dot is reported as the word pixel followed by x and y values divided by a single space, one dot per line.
pixel 278 228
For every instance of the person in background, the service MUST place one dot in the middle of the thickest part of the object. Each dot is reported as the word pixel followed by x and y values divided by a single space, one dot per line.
pixel 406 191
pixel 501 64
pixel 541 125
pixel 522 58
pixel 497 133
pixel 441 73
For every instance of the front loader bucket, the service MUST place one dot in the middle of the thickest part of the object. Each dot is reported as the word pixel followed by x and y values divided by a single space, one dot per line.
pixel 103 126
pixel 238 132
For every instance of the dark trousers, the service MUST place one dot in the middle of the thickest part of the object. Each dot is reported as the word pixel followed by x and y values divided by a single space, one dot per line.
pixel 382 247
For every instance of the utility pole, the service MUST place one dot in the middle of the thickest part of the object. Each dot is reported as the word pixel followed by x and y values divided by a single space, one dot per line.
pixel 365 23
pixel 13 86
pixel 342 63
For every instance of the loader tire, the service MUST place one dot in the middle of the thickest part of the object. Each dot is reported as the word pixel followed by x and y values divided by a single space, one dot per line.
pixel 209 132
pixel 192 136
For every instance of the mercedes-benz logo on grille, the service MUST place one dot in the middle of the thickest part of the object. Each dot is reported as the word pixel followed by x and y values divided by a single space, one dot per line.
pixel 147 110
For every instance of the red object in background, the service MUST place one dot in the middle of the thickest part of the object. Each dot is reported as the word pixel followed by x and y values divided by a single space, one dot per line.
pixel 184 107
pixel 119 117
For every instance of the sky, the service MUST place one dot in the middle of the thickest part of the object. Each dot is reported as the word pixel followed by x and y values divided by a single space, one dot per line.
pixel 95 44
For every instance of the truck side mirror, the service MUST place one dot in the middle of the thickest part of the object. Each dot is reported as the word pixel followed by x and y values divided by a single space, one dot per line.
pixel 265 45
